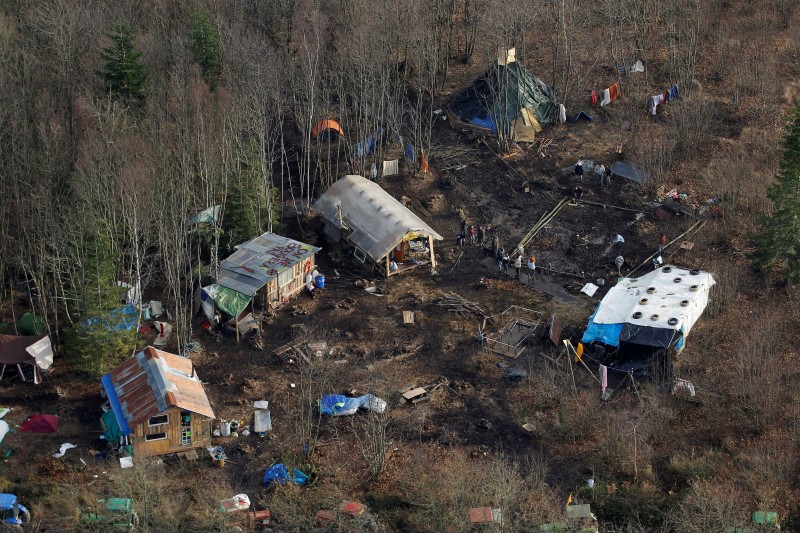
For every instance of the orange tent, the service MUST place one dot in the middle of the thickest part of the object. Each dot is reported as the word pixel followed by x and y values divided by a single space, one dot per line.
pixel 323 125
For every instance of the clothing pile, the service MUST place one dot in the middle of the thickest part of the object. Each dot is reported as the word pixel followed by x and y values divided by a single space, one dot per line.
pixel 654 102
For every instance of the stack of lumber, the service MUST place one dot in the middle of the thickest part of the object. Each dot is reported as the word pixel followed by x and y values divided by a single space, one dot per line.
pixel 464 308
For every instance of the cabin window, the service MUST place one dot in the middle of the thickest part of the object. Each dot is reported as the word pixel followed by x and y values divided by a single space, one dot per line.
pixel 359 254
pixel 158 420
pixel 186 428
pixel 155 436
pixel 285 277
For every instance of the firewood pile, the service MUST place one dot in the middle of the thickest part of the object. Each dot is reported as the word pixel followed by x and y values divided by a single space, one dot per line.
pixel 462 307
pixel 456 158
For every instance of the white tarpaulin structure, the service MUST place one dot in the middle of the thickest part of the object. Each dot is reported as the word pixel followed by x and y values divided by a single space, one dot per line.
pixel 656 310
pixel 669 298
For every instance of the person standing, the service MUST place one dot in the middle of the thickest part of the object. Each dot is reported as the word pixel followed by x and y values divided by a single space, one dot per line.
pixel 578 193
pixel 499 257
pixel 599 170
pixel 505 262
pixel 579 171
pixel 495 245
pixel 518 265
pixel 464 225
pixel 662 243
pixel 532 270
pixel 521 250
pixel 607 177
pixel 472 235
pixel 481 235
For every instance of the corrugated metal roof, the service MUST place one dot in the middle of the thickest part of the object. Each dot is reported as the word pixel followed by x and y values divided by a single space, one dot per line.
pixel 377 220
pixel 153 381
pixel 257 261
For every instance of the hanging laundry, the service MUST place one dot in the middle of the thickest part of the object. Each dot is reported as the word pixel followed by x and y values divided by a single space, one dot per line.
pixel 423 162
pixel 638 66
pixel 655 101
pixel 593 98
pixel 562 113
pixel 613 91
pixel 410 152
pixel 604 377
pixel 373 172
pixel 390 168
pixel 673 93
pixel 606 98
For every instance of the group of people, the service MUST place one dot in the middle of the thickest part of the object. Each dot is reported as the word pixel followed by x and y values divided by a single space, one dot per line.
pixel 503 261
pixel 468 231
pixel 602 173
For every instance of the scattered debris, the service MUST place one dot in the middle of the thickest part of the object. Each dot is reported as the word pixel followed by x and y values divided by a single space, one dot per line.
pixel 589 289
pixel 262 420
pixel 485 515
pixel 63 450
pixel 408 317
pixel 414 394
pixel 126 462
pixel 464 308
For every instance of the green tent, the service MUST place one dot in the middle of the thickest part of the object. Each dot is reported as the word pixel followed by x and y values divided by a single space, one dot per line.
pixel 31 324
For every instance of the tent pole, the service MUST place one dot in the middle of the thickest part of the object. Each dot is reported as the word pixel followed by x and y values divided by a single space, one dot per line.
pixel 433 257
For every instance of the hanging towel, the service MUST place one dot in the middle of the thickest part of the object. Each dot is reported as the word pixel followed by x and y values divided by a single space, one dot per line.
pixel 614 91
pixel 593 98
pixel 604 377
pixel 562 113
pixel 423 161
pixel 655 101
pixel 606 97
pixel 638 66
pixel 673 93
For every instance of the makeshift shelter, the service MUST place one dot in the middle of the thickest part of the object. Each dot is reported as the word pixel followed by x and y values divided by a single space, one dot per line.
pixel 27 355
pixel 648 317
pixel 270 265
pixel 156 402
pixel 327 129
pixel 377 225
pixel 517 324
pixel 206 217
pixel 30 324
pixel 506 99
pixel 625 169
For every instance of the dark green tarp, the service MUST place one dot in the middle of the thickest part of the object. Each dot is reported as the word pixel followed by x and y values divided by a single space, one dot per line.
pixel 231 302
pixel 495 99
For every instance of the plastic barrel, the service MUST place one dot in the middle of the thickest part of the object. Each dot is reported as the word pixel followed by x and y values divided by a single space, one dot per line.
pixel 319 282
pixel 145 312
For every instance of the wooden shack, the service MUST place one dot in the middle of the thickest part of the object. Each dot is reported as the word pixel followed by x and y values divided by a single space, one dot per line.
pixel 269 270
pixel 157 404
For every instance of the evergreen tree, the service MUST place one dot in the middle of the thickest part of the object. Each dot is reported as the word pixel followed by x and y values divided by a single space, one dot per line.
pixel 205 46
pixel 124 73
pixel 779 242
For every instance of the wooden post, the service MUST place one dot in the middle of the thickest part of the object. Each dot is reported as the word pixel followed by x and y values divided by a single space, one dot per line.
pixel 433 257
pixel 388 262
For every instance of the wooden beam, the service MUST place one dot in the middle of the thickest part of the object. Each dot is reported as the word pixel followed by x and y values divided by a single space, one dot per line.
pixel 388 263
pixel 433 257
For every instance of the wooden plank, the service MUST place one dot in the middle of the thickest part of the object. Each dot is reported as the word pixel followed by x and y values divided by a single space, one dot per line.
pixel 408 317
pixel 411 394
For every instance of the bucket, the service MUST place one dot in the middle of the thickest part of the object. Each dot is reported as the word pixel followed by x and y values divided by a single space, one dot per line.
pixel 145 311
pixel 226 429
pixel 319 282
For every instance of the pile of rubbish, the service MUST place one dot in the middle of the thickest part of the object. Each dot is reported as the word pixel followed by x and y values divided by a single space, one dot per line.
pixel 340 405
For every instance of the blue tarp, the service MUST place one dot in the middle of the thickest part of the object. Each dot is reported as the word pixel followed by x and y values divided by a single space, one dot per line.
pixel 605 333
pixel 278 473
pixel 121 319
pixel 338 404
pixel 410 152
pixel 488 122
pixel 116 407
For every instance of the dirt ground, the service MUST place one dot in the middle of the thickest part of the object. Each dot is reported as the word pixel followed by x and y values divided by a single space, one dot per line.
pixel 476 410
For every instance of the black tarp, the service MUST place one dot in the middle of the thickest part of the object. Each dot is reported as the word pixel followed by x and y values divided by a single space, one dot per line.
pixel 625 169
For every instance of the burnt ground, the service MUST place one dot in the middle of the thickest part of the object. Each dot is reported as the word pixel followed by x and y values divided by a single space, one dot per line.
pixel 476 409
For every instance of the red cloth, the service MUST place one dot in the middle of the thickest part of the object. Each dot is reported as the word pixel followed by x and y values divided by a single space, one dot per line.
pixel 614 91
pixel 40 424
pixel 593 98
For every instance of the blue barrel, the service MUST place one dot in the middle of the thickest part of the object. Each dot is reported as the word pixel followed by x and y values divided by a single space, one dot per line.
pixel 319 282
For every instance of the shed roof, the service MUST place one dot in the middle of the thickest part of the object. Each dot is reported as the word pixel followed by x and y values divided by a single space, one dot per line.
pixel 151 382
pixel 259 260
pixel 377 220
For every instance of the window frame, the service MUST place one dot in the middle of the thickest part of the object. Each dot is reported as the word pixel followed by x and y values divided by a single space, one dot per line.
pixel 152 425
pixel 155 436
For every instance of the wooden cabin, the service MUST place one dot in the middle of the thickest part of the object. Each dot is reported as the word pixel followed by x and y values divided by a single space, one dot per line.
pixel 270 270
pixel 157 404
